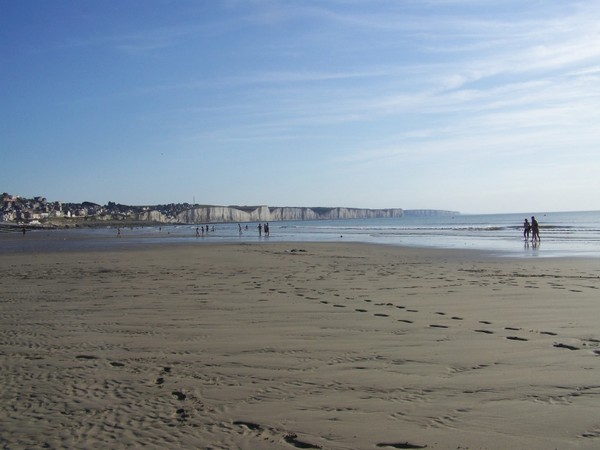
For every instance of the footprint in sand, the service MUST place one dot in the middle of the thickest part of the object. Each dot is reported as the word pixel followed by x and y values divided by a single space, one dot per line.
pixel 512 328
pixel 402 445
pixel 179 395
pixel 292 439
pixel 249 425
pixel 456 318
pixel 484 331
pixel 566 346
pixel 160 380
pixel 438 326
pixel 360 310
pixel 86 357
pixel 485 322
pixel 405 321
pixel 181 415
pixel 381 315
pixel 515 338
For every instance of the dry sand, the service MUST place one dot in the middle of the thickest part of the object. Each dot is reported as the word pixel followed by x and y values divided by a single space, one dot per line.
pixel 283 346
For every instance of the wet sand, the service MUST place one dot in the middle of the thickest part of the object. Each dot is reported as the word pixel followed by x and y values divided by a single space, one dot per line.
pixel 283 346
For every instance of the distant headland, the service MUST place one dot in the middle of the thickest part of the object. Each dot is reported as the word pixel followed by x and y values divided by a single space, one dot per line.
pixel 37 211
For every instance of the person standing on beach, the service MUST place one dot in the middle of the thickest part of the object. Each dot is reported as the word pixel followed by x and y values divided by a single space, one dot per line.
pixel 535 230
pixel 526 229
pixel 260 230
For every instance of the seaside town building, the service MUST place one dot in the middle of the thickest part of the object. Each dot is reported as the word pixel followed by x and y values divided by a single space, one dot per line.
pixel 33 211
pixel 16 210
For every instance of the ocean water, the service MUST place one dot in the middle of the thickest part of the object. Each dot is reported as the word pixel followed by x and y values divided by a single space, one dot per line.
pixel 562 234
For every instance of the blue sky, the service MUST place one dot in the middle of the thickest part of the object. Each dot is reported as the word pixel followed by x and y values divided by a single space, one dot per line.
pixel 475 106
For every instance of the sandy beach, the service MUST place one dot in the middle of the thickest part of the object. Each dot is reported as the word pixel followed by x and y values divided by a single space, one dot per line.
pixel 283 346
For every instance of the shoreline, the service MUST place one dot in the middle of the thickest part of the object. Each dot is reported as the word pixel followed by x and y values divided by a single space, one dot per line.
pixel 283 345
pixel 78 240
pixel 69 224
pixel 565 235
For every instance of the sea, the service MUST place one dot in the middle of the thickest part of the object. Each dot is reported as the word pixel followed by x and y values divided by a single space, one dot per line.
pixel 563 234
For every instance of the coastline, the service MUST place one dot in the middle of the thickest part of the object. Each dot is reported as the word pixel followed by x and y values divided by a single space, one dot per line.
pixel 313 345
pixel 563 235
pixel 69 224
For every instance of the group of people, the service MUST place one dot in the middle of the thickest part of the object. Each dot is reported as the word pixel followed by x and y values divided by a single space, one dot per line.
pixel 531 229
pixel 261 229
pixel 264 228
pixel 202 230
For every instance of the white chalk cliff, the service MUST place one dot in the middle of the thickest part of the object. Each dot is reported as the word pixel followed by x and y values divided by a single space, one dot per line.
pixel 208 214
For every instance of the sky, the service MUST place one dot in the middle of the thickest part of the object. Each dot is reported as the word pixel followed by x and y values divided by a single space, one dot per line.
pixel 467 105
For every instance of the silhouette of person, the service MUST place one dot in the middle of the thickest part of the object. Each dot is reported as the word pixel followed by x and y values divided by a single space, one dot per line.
pixel 526 229
pixel 535 230
pixel 260 230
